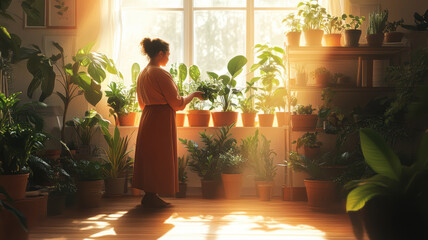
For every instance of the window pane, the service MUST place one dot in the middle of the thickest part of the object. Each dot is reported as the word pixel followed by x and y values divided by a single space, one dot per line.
pixel 153 4
pixel 167 25
pixel 276 3
pixel 218 36
pixel 219 3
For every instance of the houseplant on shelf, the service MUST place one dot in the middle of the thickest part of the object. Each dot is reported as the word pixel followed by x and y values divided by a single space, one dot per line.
pixel 377 24
pixel 333 28
pixel 303 118
pixel 117 161
pixel 246 104
pixel 198 115
pixel 206 160
pixel 392 202
pixel 322 77
pixel 227 92
pixel 311 145
pixel 232 164
pixel 89 183
pixel 85 128
pixel 294 30
pixel 121 103
pixel 313 16
pixel 182 177
pixel 179 74
pixel 391 34
pixel 257 152
pixel 352 33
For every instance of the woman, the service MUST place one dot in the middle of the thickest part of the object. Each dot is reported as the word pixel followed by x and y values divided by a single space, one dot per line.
pixel 155 166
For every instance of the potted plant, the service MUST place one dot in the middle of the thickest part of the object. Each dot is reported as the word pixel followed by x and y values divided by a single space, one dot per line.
pixel 333 28
pixel 227 92
pixel 121 103
pixel 232 165
pixel 179 74
pixel 352 33
pixel 418 34
pixel 257 152
pixel 85 128
pixel 392 203
pixel 281 100
pixel 206 160
pixel 391 34
pixel 303 119
pixel 313 16
pixel 294 30
pixel 117 161
pixel 89 183
pixel 322 77
pixel 311 146
pixel 246 104
pixel 377 24
pixel 63 187
pixel 198 115
pixel 182 177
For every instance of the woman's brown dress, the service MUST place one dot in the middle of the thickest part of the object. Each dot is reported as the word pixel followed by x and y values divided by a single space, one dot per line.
pixel 155 166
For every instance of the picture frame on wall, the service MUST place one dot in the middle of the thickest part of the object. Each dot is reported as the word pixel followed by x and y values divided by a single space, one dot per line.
pixel 39 20
pixel 61 13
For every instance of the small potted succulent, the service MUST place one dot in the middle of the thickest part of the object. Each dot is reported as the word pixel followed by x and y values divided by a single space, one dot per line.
pixel 391 34
pixel 232 166
pixel 322 77
pixel 352 33
pixel 303 118
pixel 311 146
pixel 377 24
pixel 294 30
pixel 333 28
pixel 313 16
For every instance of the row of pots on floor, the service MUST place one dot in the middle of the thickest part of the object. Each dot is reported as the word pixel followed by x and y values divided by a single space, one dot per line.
pixel 352 38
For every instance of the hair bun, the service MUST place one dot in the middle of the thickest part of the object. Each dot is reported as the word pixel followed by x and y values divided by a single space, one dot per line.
pixel 146 44
pixel 151 47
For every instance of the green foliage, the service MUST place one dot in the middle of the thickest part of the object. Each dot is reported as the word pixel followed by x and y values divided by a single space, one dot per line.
pixel 304 110
pixel 227 83
pixel 206 160
pixel 355 21
pixel 331 117
pixel 260 156
pixel 85 128
pixel 208 87
pixel 393 179
pixel 292 23
pixel 334 24
pixel 392 26
pixel 312 13
pixel 421 22
pixel 62 180
pixel 117 161
pixel 300 163
pixel 179 74
pixel 246 103
pixel 89 170
pixel 232 162
pixel 6 205
pixel 119 99
pixel 308 140
pixel 377 22
pixel 182 165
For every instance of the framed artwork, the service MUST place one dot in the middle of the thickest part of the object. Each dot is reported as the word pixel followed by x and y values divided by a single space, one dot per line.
pixel 67 42
pixel 38 21
pixel 62 13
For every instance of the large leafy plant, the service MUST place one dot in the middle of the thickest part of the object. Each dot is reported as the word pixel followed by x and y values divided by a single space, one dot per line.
pixel 120 99
pixel 208 88
pixel 227 83
pixel 312 13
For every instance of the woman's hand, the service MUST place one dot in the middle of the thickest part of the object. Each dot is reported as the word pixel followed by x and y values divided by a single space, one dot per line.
pixel 198 94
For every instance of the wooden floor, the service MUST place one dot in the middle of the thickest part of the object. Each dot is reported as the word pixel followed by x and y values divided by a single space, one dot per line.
pixel 195 218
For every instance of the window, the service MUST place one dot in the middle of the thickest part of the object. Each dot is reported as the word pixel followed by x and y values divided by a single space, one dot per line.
pixel 207 33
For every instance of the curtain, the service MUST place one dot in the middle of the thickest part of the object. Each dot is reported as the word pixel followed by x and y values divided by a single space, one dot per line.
pixel 111 28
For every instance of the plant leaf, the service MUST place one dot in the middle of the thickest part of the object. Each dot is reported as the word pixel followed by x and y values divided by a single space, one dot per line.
pixel 236 64
pixel 135 70
pixel 358 197
pixel 182 72
pixel 195 73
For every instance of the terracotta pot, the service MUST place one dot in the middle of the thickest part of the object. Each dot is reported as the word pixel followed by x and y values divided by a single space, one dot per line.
pixel 182 189
pixel 352 37
pixel 232 184
pixel 89 193
pixel 263 183
pixel 265 192
pixel 311 153
pixel 15 185
pixel 248 119
pixel 10 228
pixel 179 119
pixel 332 40
pixel 209 189
pixel 127 119
pixel 393 36
pixel 283 118
pixel 322 80
pixel 322 195
pixel 224 118
pixel 313 38
pixel 301 79
pixel 375 40
pixel 293 39
pixel 198 118
pixel 33 208
pixel 136 192
pixel 114 186
pixel 266 120
pixel 56 204
pixel 304 122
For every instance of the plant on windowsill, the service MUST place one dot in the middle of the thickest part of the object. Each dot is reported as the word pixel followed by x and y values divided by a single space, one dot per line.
pixel 232 164
pixel 246 104
pixel 322 77
pixel 227 92
pixel 179 74
pixel 391 33
pixel 259 155
pixel 303 118
pixel 294 30
pixel 333 28
pixel 313 16
pixel 352 33
pixel 182 176
pixel 311 145
pixel 121 103
pixel 89 183
pixel 205 160
pixel 377 24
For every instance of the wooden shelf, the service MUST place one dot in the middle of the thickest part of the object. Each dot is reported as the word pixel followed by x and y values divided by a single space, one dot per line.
pixel 342 89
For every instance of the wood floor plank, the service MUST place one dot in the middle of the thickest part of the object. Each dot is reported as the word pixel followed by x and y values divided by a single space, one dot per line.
pixel 194 219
